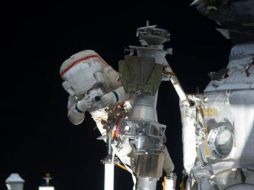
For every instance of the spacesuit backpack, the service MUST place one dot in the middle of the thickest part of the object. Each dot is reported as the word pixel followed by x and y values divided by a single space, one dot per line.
pixel 82 75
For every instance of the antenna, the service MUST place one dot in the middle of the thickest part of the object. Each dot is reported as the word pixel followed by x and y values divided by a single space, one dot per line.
pixel 147 23
pixel 47 178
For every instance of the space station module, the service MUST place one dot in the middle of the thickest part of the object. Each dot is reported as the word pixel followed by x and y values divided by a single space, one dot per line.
pixel 218 129
pixel 218 125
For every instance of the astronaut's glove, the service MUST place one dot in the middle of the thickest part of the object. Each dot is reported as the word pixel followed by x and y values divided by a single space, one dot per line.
pixel 83 105
pixel 109 99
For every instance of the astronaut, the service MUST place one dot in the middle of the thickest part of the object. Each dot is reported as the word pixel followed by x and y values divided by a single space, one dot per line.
pixel 92 85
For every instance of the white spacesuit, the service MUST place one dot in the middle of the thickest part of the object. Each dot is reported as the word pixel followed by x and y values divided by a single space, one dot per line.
pixel 92 85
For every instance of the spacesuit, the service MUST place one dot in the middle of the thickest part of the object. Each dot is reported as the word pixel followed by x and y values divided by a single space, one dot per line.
pixel 92 85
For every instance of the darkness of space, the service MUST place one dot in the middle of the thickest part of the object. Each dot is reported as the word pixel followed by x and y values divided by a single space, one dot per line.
pixel 36 136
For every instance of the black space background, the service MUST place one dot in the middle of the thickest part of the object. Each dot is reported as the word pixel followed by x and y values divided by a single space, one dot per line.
pixel 35 135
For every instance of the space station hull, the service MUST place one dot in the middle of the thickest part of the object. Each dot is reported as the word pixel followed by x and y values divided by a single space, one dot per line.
pixel 218 129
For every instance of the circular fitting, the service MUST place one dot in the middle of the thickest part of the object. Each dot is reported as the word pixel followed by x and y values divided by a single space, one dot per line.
pixel 221 140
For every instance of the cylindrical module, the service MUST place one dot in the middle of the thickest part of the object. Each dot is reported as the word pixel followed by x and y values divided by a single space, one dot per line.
pixel 146 183
pixel 109 176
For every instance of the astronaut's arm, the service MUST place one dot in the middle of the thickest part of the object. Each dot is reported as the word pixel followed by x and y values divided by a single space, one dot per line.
pixel 116 96
pixel 76 110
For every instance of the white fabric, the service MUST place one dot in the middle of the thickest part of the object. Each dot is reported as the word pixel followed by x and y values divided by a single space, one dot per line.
pixel 188 137
pixel 81 77
pixel 84 104
pixel 75 117
pixel 98 116
pixel 123 151
pixel 108 99
pixel 82 71
pixel 80 55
